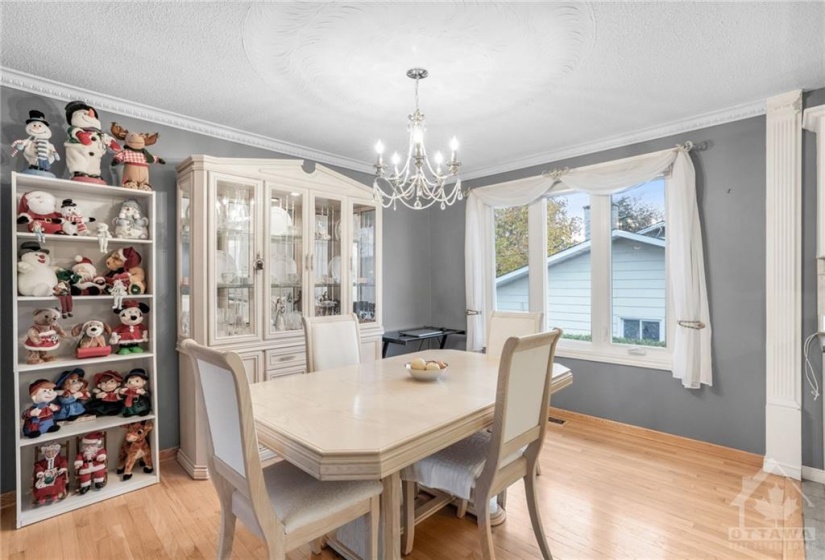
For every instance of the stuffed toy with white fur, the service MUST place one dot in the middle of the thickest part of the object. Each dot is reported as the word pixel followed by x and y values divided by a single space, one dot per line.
pixel 36 149
pixel 131 221
pixel 74 222
pixel 39 211
pixel 35 276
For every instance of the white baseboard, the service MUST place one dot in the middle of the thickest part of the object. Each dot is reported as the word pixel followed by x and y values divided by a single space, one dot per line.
pixel 782 469
pixel 816 475
pixel 196 472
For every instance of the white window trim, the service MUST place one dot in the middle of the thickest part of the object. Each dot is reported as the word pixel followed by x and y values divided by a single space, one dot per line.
pixel 601 349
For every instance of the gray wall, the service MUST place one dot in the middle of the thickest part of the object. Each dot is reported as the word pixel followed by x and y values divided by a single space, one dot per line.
pixel 406 252
pixel 811 410
pixel 730 177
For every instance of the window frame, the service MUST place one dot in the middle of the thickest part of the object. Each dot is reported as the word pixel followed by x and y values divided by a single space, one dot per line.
pixel 601 348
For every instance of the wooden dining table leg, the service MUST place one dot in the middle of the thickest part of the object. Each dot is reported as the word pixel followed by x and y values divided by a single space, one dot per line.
pixel 391 517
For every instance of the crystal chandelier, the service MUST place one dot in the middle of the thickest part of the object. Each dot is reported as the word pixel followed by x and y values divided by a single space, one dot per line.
pixel 417 185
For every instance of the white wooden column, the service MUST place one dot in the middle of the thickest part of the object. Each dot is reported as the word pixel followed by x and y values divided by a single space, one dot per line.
pixel 783 287
pixel 814 120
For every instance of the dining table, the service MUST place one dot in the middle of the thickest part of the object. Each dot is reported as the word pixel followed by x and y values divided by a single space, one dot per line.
pixel 368 421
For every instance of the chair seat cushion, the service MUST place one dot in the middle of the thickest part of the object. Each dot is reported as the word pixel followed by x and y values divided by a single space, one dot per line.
pixel 454 469
pixel 300 499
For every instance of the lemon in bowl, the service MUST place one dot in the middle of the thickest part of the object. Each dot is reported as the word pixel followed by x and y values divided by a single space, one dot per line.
pixel 425 370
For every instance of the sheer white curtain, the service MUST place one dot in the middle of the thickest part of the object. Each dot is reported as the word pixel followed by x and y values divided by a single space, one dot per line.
pixel 685 253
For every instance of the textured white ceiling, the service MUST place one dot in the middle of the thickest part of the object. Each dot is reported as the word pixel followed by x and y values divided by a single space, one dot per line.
pixel 512 81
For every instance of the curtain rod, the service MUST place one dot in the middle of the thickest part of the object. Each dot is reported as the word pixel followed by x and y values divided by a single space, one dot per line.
pixel 688 146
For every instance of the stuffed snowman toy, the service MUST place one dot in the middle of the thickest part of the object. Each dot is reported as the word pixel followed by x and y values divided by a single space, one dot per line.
pixel 87 144
pixel 35 276
pixel 36 149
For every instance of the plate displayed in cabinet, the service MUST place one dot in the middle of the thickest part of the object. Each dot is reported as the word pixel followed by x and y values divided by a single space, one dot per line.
pixel 280 222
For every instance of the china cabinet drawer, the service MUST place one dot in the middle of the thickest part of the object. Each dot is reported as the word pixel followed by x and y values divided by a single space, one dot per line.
pixel 280 372
pixel 285 358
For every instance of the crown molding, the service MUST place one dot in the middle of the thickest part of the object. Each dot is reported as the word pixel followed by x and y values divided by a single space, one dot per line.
pixel 714 118
pixel 65 92
pixel 57 90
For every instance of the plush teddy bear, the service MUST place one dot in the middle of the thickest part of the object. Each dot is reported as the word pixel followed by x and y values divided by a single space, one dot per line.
pixel 39 418
pixel 38 209
pixel 85 280
pixel 50 478
pixel 135 157
pixel 131 332
pixel 93 342
pixel 43 336
pixel 35 276
pixel 135 448
pixel 90 463
pixel 124 264
pixel 137 399
pixel 74 223
pixel 131 222
pixel 72 393
pixel 86 144
pixel 38 151
pixel 106 400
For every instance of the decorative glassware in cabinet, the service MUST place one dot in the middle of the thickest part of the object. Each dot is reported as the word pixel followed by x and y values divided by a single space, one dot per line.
pixel 184 263
pixel 235 259
pixel 286 259
pixel 326 266
pixel 362 262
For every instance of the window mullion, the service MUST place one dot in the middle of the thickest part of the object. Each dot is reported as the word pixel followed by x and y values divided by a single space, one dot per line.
pixel 600 231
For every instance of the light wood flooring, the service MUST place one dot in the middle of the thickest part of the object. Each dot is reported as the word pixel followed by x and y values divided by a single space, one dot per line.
pixel 604 493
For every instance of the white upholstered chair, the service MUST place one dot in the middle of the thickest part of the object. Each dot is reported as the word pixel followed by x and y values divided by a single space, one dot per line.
pixel 486 463
pixel 331 342
pixel 504 324
pixel 282 504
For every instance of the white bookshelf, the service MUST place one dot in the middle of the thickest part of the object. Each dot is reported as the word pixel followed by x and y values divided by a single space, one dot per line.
pixel 102 203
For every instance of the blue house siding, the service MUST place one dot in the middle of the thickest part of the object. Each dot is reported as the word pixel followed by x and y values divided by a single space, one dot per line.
pixel 638 289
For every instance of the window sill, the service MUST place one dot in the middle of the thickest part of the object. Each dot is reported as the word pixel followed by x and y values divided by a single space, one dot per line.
pixel 654 359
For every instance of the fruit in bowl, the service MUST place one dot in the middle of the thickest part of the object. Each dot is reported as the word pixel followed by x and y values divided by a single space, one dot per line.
pixel 426 370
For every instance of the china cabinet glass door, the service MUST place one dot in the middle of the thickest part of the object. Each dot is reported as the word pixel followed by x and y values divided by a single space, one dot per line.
pixel 326 266
pixel 363 262
pixel 184 259
pixel 236 259
pixel 286 259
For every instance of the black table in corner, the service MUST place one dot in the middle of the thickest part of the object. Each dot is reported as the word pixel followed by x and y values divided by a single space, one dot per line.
pixel 417 334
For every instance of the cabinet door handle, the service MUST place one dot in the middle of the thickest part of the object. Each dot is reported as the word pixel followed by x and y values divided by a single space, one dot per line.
pixel 286 358
pixel 259 263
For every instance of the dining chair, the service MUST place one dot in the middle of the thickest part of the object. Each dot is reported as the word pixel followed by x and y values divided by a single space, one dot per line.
pixel 333 341
pixel 504 324
pixel 281 504
pixel 483 465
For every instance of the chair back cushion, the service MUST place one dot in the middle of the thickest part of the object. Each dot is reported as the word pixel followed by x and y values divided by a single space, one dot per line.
pixel 332 342
pixel 504 324
pixel 223 418
pixel 525 389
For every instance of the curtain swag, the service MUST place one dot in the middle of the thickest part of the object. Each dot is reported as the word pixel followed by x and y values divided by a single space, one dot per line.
pixel 685 253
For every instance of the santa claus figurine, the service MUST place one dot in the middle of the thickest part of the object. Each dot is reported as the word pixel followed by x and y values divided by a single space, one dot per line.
pixel 51 476
pixel 39 211
pixel 38 151
pixel 90 463
pixel 87 144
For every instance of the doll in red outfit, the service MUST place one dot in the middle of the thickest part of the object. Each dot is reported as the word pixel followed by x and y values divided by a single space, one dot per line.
pixel 136 397
pixel 90 463
pixel 106 399
pixel 131 332
pixel 51 476
pixel 39 418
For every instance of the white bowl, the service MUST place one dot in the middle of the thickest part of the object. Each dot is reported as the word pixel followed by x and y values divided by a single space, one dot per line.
pixel 425 374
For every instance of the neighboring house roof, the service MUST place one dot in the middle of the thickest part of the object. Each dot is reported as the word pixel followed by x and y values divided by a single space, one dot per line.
pixel 582 248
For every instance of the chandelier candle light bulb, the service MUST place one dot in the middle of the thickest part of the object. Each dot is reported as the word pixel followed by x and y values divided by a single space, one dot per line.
pixel 417 185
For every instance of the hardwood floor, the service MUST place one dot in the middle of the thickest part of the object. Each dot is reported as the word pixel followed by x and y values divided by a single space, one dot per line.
pixel 605 494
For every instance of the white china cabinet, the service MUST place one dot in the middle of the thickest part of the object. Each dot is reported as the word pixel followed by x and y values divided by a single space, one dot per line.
pixel 104 204
pixel 261 243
